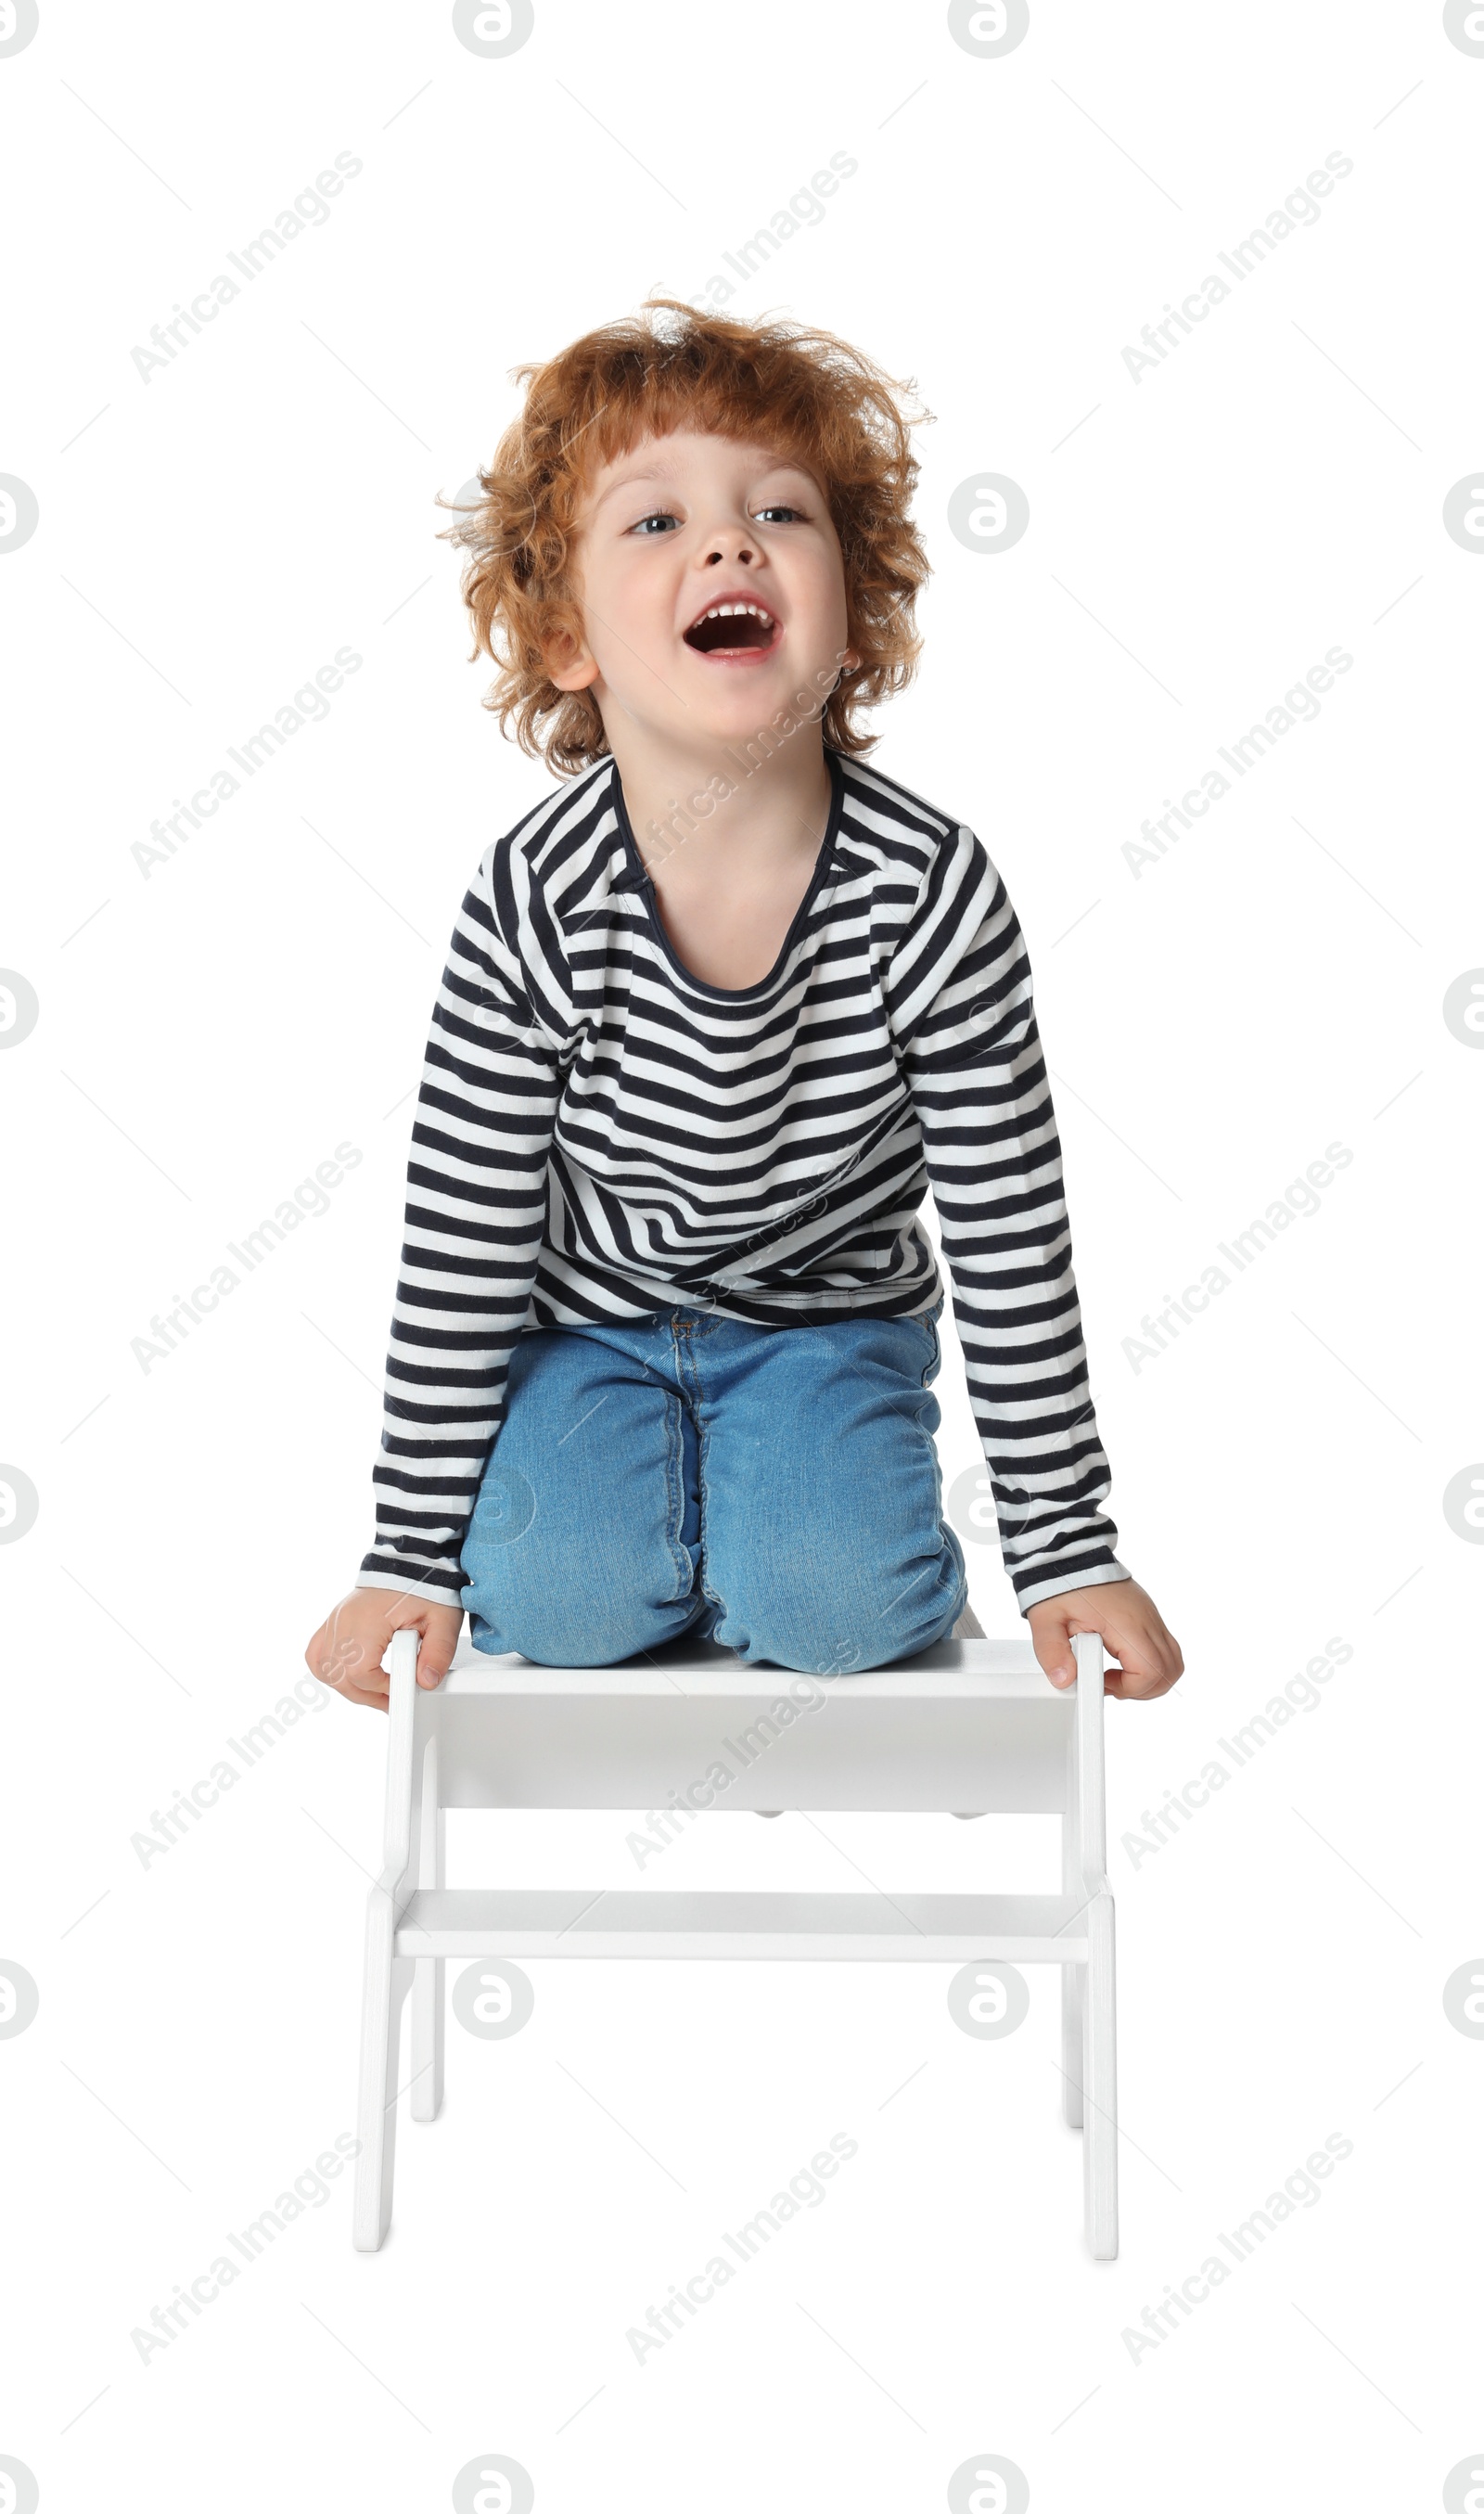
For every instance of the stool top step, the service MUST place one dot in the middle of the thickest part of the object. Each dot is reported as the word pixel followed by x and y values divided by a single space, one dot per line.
pixel 951 1670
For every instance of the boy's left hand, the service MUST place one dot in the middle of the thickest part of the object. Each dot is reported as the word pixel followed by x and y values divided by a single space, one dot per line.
pixel 1132 1631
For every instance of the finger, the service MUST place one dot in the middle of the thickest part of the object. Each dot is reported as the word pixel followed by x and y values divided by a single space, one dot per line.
pixel 347 1666
pixel 1126 1663
pixel 1054 1651
pixel 1135 1668
pixel 431 1670
pixel 1143 1642
pixel 435 1656
pixel 350 1691
pixel 350 1663
pixel 358 1655
pixel 1058 1657
pixel 1140 1679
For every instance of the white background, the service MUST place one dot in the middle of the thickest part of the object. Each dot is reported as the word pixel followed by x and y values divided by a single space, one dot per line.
pixel 207 1035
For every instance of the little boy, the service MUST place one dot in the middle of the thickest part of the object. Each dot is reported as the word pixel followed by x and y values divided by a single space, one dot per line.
pixel 716 1012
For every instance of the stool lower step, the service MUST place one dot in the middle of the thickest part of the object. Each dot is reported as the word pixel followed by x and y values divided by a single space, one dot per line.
pixel 924 1928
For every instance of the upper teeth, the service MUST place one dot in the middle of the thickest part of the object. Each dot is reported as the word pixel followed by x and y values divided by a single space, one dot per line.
pixel 732 609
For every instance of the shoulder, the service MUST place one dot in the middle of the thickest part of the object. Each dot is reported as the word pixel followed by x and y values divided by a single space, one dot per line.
pixel 929 857
pixel 510 937
pixel 565 848
pixel 879 812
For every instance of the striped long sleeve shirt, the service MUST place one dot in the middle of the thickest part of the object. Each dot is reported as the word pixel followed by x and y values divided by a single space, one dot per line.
pixel 601 1135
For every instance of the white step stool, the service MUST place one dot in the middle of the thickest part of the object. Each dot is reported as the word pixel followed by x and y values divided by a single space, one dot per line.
pixel 969 1727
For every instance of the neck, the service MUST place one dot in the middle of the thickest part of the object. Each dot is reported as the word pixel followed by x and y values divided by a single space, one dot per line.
pixel 696 813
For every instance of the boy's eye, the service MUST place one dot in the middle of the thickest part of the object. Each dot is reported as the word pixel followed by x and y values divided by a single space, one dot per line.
pixel 659 521
pixel 780 515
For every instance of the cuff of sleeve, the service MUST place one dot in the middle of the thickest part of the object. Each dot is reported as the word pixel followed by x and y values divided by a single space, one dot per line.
pixel 441 1592
pixel 1056 1584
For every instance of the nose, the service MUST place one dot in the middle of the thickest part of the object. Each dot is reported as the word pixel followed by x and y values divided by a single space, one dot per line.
pixel 734 542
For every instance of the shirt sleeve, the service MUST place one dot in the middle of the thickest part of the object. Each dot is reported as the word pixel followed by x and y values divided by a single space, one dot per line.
pixel 475 1217
pixel 962 1009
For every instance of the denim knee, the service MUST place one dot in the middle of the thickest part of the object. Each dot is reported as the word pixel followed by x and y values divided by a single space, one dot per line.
pixel 587 1606
pixel 825 1624
pixel 574 1629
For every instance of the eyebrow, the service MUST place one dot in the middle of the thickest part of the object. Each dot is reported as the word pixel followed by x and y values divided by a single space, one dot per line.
pixel 665 473
pixel 628 480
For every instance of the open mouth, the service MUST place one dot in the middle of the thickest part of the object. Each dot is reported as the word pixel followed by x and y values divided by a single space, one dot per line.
pixel 732 629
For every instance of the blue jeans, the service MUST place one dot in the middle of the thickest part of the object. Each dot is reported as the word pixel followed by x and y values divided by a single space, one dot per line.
pixel 775 1490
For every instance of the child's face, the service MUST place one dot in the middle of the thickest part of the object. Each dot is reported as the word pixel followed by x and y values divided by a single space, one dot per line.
pixel 670 530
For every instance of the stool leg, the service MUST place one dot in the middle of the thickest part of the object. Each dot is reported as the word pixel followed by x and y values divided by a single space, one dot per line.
pixel 1073 1996
pixel 1099 2150
pixel 428 2037
pixel 1073 1977
pixel 387 1979
pixel 427 1970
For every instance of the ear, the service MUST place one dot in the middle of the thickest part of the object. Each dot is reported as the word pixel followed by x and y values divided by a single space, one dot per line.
pixel 569 664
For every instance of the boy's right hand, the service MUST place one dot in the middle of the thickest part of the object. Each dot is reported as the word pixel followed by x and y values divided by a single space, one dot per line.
pixel 347 1650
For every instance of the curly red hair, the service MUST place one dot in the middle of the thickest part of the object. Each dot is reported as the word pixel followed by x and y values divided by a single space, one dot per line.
pixel 778 384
